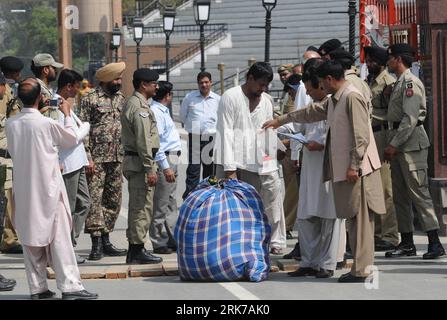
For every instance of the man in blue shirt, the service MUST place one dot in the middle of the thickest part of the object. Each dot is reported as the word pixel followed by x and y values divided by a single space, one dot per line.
pixel 165 204
pixel 198 113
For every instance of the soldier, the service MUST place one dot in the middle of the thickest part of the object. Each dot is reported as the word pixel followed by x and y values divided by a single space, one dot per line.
pixel 141 143
pixel 102 107
pixel 9 106
pixel 286 105
pixel 45 69
pixel 407 151
pixel 380 82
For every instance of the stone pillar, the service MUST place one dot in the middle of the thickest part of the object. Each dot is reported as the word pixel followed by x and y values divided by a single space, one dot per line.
pixel 65 47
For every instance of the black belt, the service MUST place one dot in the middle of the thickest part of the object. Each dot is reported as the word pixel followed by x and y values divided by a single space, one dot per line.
pixel 380 127
pixel 5 154
pixel 178 153
pixel 131 153
pixel 397 124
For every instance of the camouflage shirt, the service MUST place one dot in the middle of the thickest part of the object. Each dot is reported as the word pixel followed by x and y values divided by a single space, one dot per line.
pixel 47 94
pixel 9 106
pixel 103 111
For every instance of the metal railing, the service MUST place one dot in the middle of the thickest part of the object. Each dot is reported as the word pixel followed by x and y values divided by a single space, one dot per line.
pixel 180 30
pixel 219 31
pixel 145 7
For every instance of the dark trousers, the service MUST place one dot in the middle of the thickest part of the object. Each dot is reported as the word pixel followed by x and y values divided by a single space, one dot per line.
pixel 200 154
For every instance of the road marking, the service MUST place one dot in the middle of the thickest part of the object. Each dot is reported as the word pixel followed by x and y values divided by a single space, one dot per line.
pixel 240 292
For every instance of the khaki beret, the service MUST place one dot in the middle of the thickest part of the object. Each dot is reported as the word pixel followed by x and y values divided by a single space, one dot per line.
pixel 110 71
pixel 284 67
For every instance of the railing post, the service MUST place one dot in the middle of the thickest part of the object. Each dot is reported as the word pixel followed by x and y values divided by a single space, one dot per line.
pixel 202 48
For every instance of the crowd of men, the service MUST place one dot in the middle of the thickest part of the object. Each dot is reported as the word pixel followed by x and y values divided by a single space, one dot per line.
pixel 360 173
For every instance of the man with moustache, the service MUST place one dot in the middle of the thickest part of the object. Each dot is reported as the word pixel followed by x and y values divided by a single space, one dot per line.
pixel 45 69
pixel 381 82
pixel 102 107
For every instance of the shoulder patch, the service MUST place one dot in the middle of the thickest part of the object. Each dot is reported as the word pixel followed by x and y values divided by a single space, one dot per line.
pixel 409 85
pixel 144 114
pixel 409 92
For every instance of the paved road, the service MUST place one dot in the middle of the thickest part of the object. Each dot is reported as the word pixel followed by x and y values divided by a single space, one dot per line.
pixel 411 278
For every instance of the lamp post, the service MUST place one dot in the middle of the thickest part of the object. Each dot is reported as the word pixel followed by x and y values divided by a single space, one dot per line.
pixel 268 5
pixel 138 27
pixel 168 27
pixel 116 40
pixel 352 11
pixel 202 15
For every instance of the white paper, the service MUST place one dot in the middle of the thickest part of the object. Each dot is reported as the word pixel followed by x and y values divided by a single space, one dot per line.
pixel 297 136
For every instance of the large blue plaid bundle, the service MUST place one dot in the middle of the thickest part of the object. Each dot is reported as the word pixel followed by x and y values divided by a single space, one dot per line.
pixel 223 234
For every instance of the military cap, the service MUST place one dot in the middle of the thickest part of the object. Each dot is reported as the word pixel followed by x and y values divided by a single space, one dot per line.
pixel 2 78
pixel 145 74
pixel 45 60
pixel 329 46
pixel 11 64
pixel 110 71
pixel 341 54
pixel 400 49
pixel 312 48
pixel 378 54
pixel 284 67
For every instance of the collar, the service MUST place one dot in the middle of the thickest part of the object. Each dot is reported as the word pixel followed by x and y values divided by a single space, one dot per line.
pixel 381 76
pixel 350 71
pixel 29 110
pixel 340 91
pixel 160 106
pixel 141 98
pixel 10 81
pixel 404 74
pixel 42 84
pixel 102 93
pixel 211 95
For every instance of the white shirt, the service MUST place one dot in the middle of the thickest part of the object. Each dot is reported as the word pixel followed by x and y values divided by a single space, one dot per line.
pixel 301 98
pixel 74 158
pixel 237 130
pixel 169 137
pixel 199 114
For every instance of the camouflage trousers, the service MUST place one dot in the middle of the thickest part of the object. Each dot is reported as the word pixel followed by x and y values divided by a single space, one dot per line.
pixel 105 193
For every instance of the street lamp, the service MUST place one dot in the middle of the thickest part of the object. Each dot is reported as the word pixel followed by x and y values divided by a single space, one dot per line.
pixel 168 27
pixel 116 40
pixel 268 5
pixel 138 27
pixel 202 15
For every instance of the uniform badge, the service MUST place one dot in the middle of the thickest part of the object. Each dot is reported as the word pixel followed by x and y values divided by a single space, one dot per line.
pixel 144 114
pixel 409 85
pixel 409 92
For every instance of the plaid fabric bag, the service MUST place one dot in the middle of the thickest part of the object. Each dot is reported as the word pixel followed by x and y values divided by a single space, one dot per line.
pixel 223 234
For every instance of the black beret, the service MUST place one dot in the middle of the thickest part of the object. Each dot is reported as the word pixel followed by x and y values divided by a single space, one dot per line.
pixel 312 48
pixel 329 46
pixel 2 78
pixel 378 54
pixel 11 64
pixel 145 74
pixel 341 54
pixel 401 49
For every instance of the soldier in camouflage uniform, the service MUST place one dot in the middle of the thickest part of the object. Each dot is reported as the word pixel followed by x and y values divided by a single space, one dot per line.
pixel 9 106
pixel 141 142
pixel 101 107
pixel 380 82
pixel 407 151
pixel 45 69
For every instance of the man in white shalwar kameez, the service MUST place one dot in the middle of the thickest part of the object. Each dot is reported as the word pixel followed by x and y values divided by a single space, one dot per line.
pixel 318 226
pixel 239 139
pixel 42 213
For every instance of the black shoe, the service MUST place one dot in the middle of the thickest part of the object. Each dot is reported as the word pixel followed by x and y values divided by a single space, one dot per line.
pixel 43 295
pixel 79 295
pixel 96 253
pixel 7 286
pixel 349 278
pixel 138 255
pixel 324 273
pixel 109 249
pixel 402 250
pixel 294 254
pixel 303 272
pixel 7 281
pixel 17 249
pixel 79 259
pixel 383 245
pixel 435 250
pixel 163 250
pixel 289 235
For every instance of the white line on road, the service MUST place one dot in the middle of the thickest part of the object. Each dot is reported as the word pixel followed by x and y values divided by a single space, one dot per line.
pixel 238 291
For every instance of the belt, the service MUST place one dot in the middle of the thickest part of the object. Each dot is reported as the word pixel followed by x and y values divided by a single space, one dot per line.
pixel 5 154
pixel 397 124
pixel 380 127
pixel 178 153
pixel 131 153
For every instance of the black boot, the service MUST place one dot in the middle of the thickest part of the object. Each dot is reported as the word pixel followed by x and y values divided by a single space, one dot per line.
pixel 138 255
pixel 435 248
pixel 404 249
pixel 96 253
pixel 109 249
